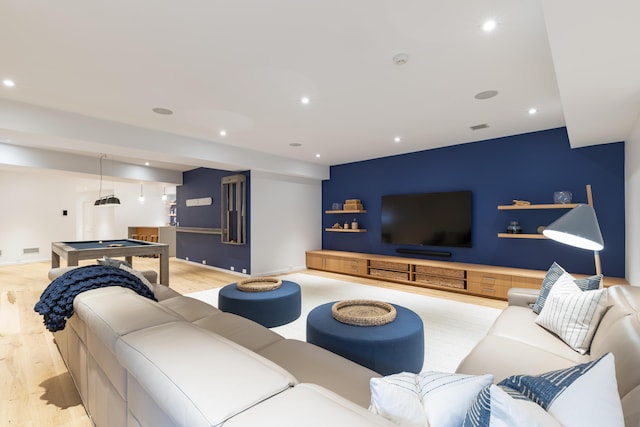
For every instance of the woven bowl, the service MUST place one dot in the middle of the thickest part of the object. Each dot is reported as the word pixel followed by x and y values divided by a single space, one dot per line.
pixel 363 312
pixel 259 284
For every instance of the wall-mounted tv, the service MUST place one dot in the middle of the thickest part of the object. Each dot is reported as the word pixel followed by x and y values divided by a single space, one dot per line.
pixel 427 219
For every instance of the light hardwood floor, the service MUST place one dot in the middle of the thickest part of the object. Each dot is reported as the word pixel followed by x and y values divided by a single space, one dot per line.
pixel 36 388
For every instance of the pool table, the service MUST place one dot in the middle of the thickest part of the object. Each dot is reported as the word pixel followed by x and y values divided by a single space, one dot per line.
pixel 127 248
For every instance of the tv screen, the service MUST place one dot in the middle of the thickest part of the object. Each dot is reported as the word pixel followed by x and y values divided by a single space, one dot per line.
pixel 428 219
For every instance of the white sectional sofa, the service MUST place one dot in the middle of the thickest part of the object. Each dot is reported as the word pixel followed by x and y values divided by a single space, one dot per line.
pixel 181 362
pixel 515 344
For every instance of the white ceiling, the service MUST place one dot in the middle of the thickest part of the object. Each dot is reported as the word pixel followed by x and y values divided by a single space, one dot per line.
pixel 244 65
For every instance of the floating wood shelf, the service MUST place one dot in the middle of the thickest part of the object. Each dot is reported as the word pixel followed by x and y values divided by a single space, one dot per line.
pixel 546 206
pixel 345 211
pixel 346 230
pixel 521 236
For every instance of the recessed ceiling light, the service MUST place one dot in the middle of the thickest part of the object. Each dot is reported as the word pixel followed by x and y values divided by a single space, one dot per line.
pixel 489 25
pixel 8 83
pixel 146 163
pixel 533 111
pixel 163 111
pixel 223 132
pixel 401 59
pixel 396 139
pixel 486 94
pixel 317 155
pixel 305 100
pixel 295 144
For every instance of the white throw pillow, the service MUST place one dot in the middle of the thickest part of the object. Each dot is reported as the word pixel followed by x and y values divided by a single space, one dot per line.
pixel 138 274
pixel 397 398
pixel 501 407
pixel 583 395
pixel 573 314
pixel 436 399
pixel 552 276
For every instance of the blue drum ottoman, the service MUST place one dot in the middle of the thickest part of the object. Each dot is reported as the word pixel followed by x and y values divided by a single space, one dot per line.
pixel 394 347
pixel 270 308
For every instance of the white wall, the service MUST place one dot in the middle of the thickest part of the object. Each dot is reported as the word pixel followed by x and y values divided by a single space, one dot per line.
pixel 33 201
pixel 632 196
pixel 286 221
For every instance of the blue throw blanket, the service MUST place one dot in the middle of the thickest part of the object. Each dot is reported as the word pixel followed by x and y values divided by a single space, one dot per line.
pixel 56 302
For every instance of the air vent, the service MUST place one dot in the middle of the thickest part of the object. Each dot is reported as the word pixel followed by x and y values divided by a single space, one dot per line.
pixel 26 251
pixel 478 127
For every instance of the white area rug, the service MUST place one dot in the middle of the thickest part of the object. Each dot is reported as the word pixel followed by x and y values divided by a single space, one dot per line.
pixel 451 328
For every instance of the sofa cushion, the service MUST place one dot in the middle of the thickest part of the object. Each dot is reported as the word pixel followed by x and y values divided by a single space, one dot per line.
pixel 553 274
pixel 504 357
pixel 307 405
pixel 199 378
pixel 240 330
pixel 163 292
pixel 312 364
pixel 518 323
pixel 586 394
pixel 190 309
pixel 573 314
pixel 115 311
pixel 428 398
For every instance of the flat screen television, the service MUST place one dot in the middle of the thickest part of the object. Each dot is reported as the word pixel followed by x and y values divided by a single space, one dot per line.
pixel 427 219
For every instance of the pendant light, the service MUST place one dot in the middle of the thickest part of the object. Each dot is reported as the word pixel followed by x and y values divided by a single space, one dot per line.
pixel 141 196
pixel 110 200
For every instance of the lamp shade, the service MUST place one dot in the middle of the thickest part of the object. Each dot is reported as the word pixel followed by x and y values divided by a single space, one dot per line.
pixel 107 201
pixel 578 227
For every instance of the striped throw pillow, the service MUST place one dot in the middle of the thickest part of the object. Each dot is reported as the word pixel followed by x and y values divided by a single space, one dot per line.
pixel 426 399
pixel 573 314
pixel 552 276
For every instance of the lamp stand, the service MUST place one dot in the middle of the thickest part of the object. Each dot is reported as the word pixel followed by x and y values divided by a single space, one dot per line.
pixel 596 256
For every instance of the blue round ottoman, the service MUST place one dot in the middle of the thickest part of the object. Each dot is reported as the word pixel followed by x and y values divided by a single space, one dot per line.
pixel 269 308
pixel 395 347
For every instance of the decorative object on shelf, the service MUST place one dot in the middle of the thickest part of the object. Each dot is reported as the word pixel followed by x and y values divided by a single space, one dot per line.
pixel 336 226
pixel 259 284
pixel 541 229
pixel 579 228
pixel 521 203
pixel 353 205
pixel 354 224
pixel 363 312
pixel 562 197
pixel 110 200
pixel 336 206
pixel 514 228
pixel 346 225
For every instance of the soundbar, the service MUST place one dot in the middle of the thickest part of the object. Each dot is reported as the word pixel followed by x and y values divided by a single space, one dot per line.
pixel 425 252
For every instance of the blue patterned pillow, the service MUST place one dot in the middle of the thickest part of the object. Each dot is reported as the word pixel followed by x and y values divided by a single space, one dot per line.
pixel 553 274
pixel 582 395
pixel 579 396
pixel 500 406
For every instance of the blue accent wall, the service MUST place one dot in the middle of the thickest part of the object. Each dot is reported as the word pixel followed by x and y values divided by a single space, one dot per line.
pixel 529 167
pixel 204 182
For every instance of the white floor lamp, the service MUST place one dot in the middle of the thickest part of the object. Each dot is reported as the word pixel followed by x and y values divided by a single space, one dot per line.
pixel 578 227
